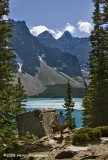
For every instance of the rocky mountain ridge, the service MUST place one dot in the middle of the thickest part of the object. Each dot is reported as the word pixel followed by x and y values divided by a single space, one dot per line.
pixel 31 51
pixel 80 47
pixel 38 65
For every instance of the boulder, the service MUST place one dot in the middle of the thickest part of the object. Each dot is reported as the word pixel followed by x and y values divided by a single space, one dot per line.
pixel 40 122
pixel 104 140
pixel 65 154
pixel 67 130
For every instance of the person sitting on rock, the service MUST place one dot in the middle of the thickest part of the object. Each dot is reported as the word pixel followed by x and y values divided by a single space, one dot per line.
pixel 61 120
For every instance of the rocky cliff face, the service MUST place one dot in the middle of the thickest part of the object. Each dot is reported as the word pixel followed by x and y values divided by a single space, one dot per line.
pixel 31 51
pixel 80 47
pixel 24 46
pixel 48 40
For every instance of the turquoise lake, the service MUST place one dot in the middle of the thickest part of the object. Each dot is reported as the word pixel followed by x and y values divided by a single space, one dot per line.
pixel 56 103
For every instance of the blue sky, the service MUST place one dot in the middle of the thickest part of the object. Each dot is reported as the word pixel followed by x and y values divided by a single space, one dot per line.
pixel 54 15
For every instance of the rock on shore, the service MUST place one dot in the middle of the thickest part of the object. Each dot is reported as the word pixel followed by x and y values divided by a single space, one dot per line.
pixel 40 122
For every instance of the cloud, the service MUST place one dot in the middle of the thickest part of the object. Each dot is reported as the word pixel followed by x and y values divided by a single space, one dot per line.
pixel 38 30
pixel 56 33
pixel 51 31
pixel 84 26
pixel 70 28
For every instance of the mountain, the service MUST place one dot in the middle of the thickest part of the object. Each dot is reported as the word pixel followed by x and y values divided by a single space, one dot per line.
pixel 48 40
pixel 80 47
pixel 50 76
pixel 44 71
pixel 49 83
pixel 28 49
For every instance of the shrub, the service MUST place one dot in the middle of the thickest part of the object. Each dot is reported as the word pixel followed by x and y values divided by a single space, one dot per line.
pixel 33 136
pixel 38 142
pixel 28 137
pixel 80 138
pixel 68 140
pixel 104 131
pixel 85 135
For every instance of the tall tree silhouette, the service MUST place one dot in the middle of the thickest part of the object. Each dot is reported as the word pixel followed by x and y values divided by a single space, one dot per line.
pixel 95 104
pixel 69 105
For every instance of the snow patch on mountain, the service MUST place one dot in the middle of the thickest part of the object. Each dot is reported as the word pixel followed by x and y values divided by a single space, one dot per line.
pixel 19 61
pixel 41 57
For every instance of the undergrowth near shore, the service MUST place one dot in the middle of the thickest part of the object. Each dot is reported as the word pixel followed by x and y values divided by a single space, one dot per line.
pixel 88 135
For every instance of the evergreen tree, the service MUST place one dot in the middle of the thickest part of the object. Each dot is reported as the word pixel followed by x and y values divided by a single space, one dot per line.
pixel 69 105
pixel 7 125
pixel 20 98
pixel 95 104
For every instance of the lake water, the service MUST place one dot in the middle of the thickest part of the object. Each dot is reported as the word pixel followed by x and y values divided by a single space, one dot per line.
pixel 42 103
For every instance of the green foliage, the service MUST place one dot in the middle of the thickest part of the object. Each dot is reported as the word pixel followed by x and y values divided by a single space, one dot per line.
pixel 7 124
pixel 28 137
pixel 32 136
pixel 70 122
pixel 69 105
pixel 86 135
pixel 8 137
pixel 58 91
pixel 95 103
pixel 38 142
pixel 68 140
pixel 20 99
pixel 104 131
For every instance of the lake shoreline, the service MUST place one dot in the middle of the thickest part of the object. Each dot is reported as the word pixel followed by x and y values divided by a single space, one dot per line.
pixel 43 103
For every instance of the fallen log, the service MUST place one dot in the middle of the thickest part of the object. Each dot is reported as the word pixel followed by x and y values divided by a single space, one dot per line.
pixel 90 157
